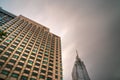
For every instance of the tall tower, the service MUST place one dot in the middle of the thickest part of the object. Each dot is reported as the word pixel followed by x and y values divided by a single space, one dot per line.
pixel 29 51
pixel 79 71
pixel 5 16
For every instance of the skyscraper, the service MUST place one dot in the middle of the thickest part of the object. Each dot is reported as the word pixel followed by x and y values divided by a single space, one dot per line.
pixel 5 16
pixel 79 70
pixel 29 51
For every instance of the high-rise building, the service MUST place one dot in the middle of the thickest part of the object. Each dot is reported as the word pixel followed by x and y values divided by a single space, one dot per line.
pixel 79 71
pixel 29 51
pixel 5 16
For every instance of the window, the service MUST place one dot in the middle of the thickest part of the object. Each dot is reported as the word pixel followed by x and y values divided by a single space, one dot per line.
pixel 11 50
pixel 20 63
pixel 23 59
pixel 17 52
pixel 38 60
pixel 18 69
pixel 15 56
pixel 7 53
pixel 12 61
pixel 39 56
pixel 20 49
pixel 26 71
pixel 5 72
pixel 50 68
pixel 9 66
pixel 15 75
pixel 28 66
pixel 45 58
pixel 34 74
pixel 56 72
pixel 49 78
pixel 44 62
pixel 42 76
pixel 36 69
pixel 61 73
pixel 49 73
pixel 56 76
pixel 25 55
pixel 50 64
pixel 2 47
pixel 37 64
pixel 44 66
pixel 3 58
pixel 43 71
pixel 32 57
pixel 29 61
pixel 1 64
pixel 24 78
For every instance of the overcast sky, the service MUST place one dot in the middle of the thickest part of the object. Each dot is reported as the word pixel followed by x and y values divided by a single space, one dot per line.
pixel 90 26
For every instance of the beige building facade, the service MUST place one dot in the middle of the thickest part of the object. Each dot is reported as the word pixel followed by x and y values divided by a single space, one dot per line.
pixel 29 52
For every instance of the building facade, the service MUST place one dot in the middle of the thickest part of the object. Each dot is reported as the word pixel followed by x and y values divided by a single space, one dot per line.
pixel 79 71
pixel 29 51
pixel 5 16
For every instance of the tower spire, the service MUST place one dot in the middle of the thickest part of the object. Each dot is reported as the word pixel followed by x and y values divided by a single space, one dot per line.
pixel 77 56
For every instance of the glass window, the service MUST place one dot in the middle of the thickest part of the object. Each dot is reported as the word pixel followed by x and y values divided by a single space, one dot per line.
pixel 24 78
pixel 29 61
pixel 5 72
pixel 15 75
pixel 36 69
pixel 37 64
pixel 7 53
pixel 25 55
pixel 20 49
pixel 11 50
pixel 3 58
pixel 12 61
pixel 2 47
pixel 1 64
pixel 15 56
pixel 23 59
pixel 42 76
pixel 26 71
pixel 49 78
pixel 9 66
pixel 44 62
pixel 18 69
pixel 34 74
pixel 32 57
pixel 49 73
pixel 43 71
pixel 50 68
pixel 56 76
pixel 28 66
pixel 45 58
pixel 20 63
pixel 50 64
pixel 43 66
pixel 38 60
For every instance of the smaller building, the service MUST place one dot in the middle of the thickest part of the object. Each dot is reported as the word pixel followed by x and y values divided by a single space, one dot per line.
pixel 79 71
pixel 5 16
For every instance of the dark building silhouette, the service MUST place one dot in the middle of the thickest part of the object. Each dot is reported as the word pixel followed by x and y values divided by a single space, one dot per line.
pixel 5 16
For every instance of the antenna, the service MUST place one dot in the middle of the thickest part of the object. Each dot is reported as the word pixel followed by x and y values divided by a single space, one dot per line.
pixel 77 54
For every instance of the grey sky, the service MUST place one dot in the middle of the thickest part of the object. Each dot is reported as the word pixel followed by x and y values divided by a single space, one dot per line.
pixel 90 26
